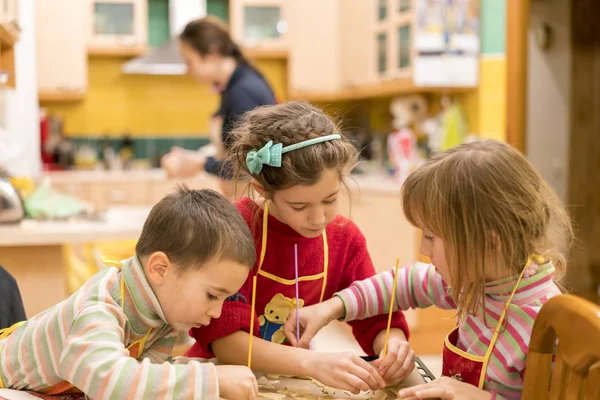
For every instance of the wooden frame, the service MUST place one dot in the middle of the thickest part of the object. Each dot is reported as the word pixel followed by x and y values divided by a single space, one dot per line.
pixel 236 23
pixel 120 45
pixel 517 17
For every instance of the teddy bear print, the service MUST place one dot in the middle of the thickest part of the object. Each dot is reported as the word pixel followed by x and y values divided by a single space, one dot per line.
pixel 275 316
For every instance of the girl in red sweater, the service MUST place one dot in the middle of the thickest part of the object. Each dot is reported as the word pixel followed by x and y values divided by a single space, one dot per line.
pixel 295 159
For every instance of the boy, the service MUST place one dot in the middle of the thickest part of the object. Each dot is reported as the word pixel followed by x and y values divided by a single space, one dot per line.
pixel 111 338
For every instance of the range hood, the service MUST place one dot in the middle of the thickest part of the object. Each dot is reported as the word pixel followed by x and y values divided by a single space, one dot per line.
pixel 165 60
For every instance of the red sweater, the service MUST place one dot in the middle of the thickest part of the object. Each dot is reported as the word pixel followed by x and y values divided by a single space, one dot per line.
pixel 349 261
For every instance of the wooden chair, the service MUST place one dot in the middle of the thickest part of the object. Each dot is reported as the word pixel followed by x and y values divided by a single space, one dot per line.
pixel 575 322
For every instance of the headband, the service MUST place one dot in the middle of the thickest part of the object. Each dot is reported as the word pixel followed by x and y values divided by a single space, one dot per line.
pixel 270 154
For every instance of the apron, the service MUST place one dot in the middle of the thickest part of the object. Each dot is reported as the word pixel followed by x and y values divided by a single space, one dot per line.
pixel 469 368
pixel 277 301
pixel 135 349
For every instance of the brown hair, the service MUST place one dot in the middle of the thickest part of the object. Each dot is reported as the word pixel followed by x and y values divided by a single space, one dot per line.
pixel 209 35
pixel 290 123
pixel 194 226
pixel 492 209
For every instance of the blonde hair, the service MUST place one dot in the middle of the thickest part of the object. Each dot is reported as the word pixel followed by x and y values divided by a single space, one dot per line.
pixel 492 209
pixel 288 124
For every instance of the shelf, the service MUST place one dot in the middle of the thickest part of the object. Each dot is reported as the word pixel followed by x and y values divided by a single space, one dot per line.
pixel 265 53
pixel 7 65
pixel 61 95
pixel 125 51
pixel 9 35
pixel 385 88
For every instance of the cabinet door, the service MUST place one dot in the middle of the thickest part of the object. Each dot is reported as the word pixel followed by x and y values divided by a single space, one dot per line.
pixel 260 23
pixel 314 41
pixel 61 47
pixel 107 194
pixel 357 17
pixel 9 11
pixel 118 25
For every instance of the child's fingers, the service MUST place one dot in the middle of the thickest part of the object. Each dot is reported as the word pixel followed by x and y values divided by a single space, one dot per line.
pixel 398 375
pixel 289 329
pixel 428 391
pixel 402 366
pixel 411 391
pixel 368 373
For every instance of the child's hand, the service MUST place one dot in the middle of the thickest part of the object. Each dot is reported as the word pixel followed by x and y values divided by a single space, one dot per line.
pixel 236 382
pixel 444 388
pixel 345 371
pixel 398 362
pixel 312 319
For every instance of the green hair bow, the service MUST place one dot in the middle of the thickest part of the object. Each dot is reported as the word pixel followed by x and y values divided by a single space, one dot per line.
pixel 270 154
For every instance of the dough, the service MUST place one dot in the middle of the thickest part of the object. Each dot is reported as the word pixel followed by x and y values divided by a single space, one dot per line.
pixel 271 396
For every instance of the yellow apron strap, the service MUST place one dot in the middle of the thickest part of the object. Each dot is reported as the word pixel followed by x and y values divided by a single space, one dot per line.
pixel 7 331
pixel 325 264
pixel 263 251
pixel 488 353
pixel 4 333
pixel 263 248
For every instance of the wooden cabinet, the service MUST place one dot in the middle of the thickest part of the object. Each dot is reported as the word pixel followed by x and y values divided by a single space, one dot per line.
pixel 328 45
pixel 260 24
pixel 353 49
pixel 314 36
pixel 392 39
pixel 9 11
pixel 61 49
pixel 9 35
pixel 117 27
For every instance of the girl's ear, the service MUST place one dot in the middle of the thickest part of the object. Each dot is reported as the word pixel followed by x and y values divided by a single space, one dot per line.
pixel 260 189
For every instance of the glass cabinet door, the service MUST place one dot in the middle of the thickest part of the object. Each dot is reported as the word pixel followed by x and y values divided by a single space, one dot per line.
pixel 403 6
pixel 381 10
pixel 382 53
pixel 114 18
pixel 263 23
pixel 404 46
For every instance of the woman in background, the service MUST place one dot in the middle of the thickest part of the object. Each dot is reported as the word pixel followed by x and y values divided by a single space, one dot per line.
pixel 212 57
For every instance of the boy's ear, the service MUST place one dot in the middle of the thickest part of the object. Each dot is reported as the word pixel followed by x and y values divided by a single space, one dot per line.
pixel 157 266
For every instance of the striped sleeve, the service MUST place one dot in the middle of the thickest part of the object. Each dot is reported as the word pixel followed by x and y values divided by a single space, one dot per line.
pixel 162 349
pixel 418 286
pixel 95 360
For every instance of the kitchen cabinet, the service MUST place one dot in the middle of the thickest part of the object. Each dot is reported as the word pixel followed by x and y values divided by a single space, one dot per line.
pixel 9 11
pixel 392 35
pixel 260 24
pixel 61 49
pixel 117 27
pixel 9 35
pixel 375 48
pixel 328 45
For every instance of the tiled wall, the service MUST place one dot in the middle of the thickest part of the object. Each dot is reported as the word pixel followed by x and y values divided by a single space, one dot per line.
pixel 147 147
pixel 146 105
pixel 486 107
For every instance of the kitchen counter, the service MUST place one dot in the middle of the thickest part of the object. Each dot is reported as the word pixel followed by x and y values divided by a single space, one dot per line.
pixel 375 181
pixel 119 223
pixel 34 252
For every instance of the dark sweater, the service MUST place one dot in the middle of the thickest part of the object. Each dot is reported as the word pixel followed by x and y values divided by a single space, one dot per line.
pixel 246 90
pixel 11 305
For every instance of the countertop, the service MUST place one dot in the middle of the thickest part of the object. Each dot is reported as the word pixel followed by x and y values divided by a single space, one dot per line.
pixel 119 223
pixel 375 181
